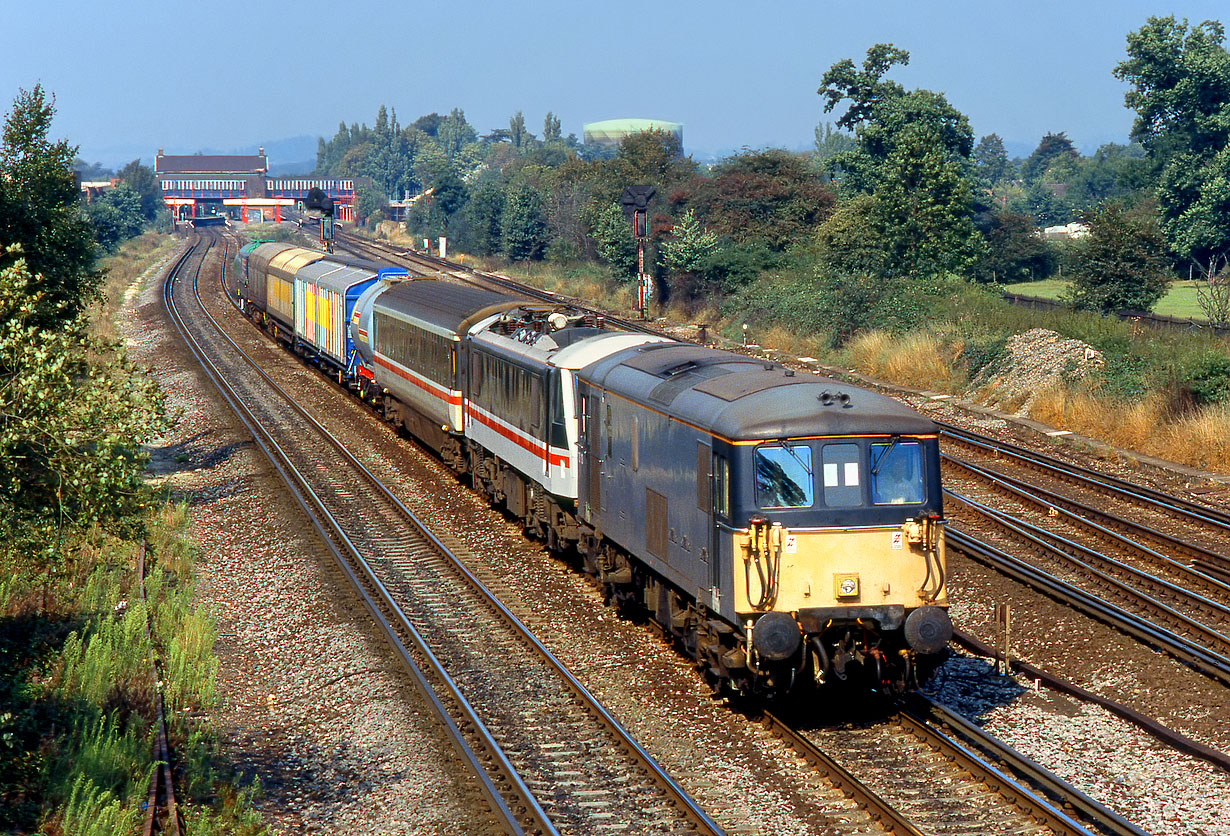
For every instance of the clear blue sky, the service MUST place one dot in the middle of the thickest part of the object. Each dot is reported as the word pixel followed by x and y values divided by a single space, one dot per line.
pixel 134 76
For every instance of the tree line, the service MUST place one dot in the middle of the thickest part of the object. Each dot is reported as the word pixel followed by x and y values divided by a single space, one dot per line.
pixel 897 190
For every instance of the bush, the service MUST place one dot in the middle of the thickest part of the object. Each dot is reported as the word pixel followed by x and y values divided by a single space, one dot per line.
pixel 1122 264
pixel 1209 379
pixel 732 266
pixel 983 351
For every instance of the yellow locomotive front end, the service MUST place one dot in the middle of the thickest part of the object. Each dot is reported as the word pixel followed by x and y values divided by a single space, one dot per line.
pixel 839 570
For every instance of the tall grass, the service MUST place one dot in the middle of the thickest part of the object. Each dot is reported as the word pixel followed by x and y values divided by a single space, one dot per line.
pixel 97 768
pixel 92 810
pixel 918 359
pixel 1198 438
pixel 129 268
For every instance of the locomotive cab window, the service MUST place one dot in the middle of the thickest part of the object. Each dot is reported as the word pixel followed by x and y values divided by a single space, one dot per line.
pixel 896 473
pixel 784 476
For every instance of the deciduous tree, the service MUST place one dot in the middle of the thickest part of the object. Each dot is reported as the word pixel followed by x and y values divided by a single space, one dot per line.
pixel 990 160
pixel 772 198
pixel 523 227
pixel 39 209
pixel 1180 79
pixel 1122 263
pixel 73 416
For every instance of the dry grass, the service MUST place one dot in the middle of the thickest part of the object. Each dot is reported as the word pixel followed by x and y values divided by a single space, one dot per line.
pixel 1202 439
pixel 1197 439
pixel 126 271
pixel 918 359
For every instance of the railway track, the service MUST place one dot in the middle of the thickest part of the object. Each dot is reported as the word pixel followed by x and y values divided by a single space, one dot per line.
pixel 1006 805
pixel 1134 510
pixel 551 758
pixel 900 761
pixel 1178 608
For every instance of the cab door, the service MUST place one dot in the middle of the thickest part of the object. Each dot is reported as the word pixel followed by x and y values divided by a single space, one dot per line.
pixel 590 436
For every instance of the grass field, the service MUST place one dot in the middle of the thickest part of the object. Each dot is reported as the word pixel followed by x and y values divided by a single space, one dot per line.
pixel 1179 301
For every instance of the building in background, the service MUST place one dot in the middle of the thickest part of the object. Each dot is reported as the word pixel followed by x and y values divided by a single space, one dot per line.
pixel 239 187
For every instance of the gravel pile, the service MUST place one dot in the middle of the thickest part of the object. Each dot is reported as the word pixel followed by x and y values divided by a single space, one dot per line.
pixel 1037 360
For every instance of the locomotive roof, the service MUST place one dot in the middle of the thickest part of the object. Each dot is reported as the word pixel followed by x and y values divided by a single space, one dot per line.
pixel 452 307
pixel 742 398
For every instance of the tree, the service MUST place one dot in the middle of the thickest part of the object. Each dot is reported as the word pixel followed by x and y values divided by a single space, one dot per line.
pixel 484 216
pixel 368 202
pixel 523 228
pixel 455 133
pixel 1180 91
pixel 772 198
pixel 913 157
pixel 144 183
pixel 990 160
pixel 116 216
pixel 1014 252
pixel 654 157
pixel 1122 263
pixel 878 111
pixel 551 128
pixel 1113 171
pixel 922 208
pixel 1213 295
pixel 830 142
pixel 613 241
pixel 73 416
pixel 1041 204
pixel 517 134
pixel 864 89
pixel 690 244
pixel 429 124
pixel 39 210
pixel 1052 148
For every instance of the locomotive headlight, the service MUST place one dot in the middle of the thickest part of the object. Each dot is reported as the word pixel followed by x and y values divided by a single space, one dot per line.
pixel 845 585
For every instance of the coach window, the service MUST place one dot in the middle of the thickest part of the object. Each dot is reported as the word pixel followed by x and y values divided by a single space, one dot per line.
pixel 896 473
pixel 784 476
pixel 559 433
pixel 839 471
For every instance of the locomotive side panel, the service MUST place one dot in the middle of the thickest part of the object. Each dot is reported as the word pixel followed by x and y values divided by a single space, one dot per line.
pixel 657 506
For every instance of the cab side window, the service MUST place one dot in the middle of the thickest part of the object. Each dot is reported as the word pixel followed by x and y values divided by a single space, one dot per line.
pixel 896 473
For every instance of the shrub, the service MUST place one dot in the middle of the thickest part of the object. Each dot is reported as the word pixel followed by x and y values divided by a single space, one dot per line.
pixel 1209 379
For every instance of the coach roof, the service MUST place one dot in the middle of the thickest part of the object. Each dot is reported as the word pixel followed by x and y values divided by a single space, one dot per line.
pixel 452 307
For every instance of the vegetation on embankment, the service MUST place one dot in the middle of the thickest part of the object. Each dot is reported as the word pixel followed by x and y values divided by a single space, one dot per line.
pixel 76 685
pixel 77 732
